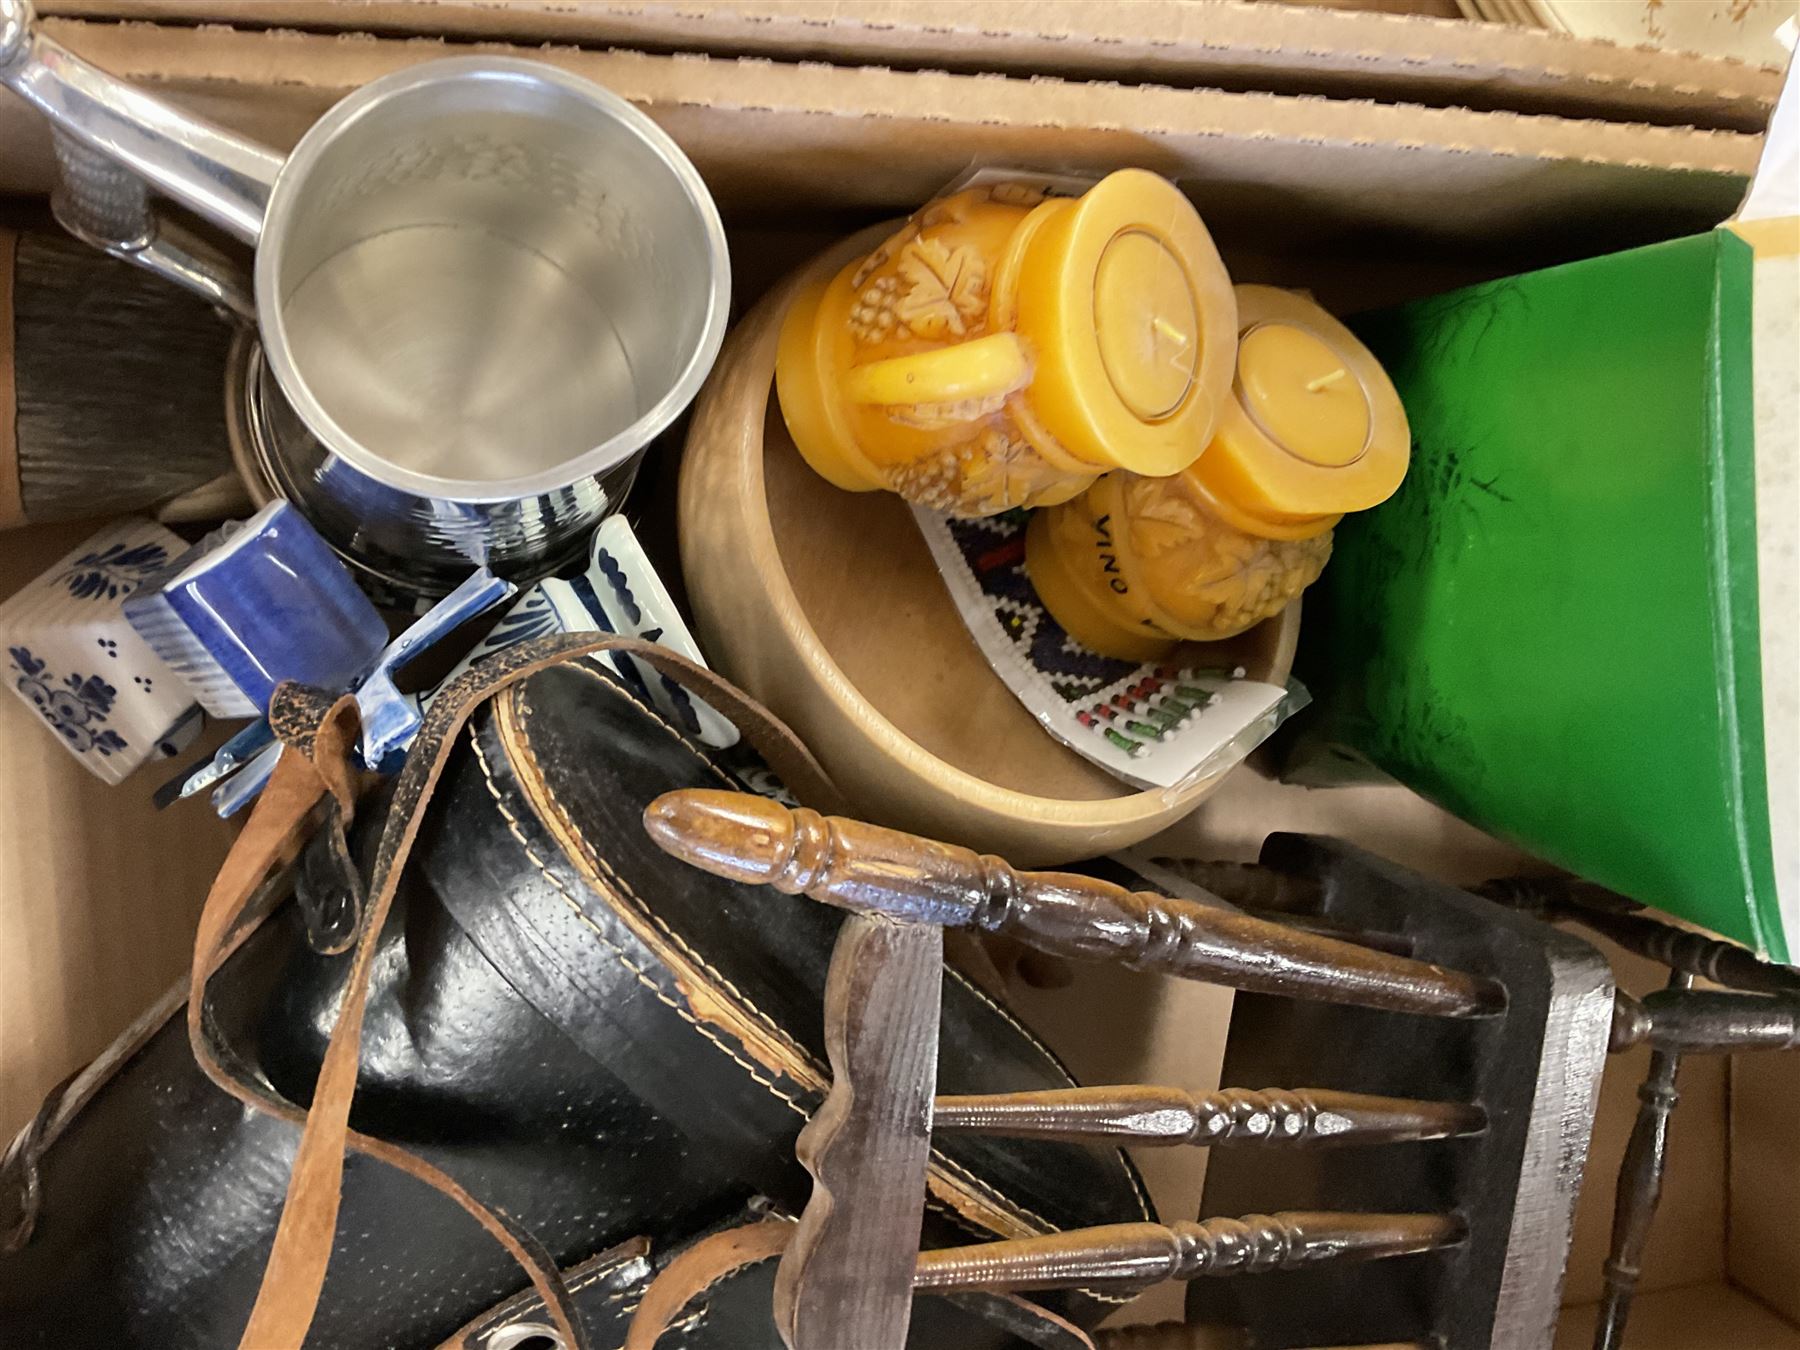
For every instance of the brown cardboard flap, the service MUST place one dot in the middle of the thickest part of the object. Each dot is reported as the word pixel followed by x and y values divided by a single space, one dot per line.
pixel 1234 46
pixel 1698 1317
pixel 789 143
pixel 12 506
pixel 1764 1257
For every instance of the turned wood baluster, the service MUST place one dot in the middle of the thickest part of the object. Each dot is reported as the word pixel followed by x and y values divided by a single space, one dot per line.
pixel 1763 1015
pixel 1144 1253
pixel 1639 1190
pixel 1676 1020
pixel 871 870
pixel 1250 885
pixel 1397 943
pixel 1696 954
pixel 1151 1116
pixel 898 884
pixel 1703 1021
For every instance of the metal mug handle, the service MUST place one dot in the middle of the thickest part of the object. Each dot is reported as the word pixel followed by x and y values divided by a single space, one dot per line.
pixel 105 205
pixel 100 122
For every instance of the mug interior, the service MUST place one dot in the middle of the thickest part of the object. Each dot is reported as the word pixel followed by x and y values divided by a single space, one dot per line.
pixel 483 278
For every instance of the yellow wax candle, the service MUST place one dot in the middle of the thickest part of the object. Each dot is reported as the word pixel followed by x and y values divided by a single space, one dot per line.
pixel 1301 393
pixel 1314 429
pixel 1134 566
pixel 1004 349
pixel 1087 580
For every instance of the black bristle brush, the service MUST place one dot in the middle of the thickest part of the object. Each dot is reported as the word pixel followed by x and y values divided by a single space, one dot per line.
pixel 111 384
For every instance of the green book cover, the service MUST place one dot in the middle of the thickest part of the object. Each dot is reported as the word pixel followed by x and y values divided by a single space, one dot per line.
pixel 1554 628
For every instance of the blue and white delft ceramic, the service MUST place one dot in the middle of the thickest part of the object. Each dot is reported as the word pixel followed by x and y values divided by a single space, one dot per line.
pixel 390 717
pixel 68 651
pixel 255 603
pixel 249 741
pixel 621 593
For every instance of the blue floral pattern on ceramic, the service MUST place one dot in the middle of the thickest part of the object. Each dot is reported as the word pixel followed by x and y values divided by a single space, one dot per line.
pixel 533 617
pixel 619 592
pixel 67 650
pixel 76 710
pixel 114 571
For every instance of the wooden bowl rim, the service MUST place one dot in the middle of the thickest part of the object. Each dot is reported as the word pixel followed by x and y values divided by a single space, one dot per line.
pixel 764 555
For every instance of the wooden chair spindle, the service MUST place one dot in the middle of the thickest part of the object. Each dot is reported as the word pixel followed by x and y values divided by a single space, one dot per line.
pixel 868 869
pixel 1145 1116
pixel 1134 1254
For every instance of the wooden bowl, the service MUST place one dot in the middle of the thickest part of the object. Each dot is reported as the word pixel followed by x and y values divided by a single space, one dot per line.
pixel 827 607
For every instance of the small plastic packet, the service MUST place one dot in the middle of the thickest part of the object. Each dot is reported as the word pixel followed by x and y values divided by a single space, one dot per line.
pixel 1156 724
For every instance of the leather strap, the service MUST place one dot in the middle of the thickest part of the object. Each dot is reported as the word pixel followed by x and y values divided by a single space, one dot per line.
pixel 698 1269
pixel 328 886
pixel 314 766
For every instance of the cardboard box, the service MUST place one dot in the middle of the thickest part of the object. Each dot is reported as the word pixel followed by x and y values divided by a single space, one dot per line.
pixel 1367 203
pixel 1371 181
pixel 1279 48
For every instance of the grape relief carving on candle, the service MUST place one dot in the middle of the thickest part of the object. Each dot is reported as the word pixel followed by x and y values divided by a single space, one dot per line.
pixel 917 286
pixel 1213 574
pixel 996 471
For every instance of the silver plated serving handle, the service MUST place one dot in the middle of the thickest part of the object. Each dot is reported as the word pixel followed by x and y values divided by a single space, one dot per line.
pixel 107 206
pixel 114 142
pixel 219 175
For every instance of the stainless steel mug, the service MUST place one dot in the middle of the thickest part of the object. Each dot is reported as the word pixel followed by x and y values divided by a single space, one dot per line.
pixel 481 287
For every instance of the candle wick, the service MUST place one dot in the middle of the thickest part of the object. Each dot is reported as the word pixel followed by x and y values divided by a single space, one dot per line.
pixel 1169 331
pixel 1326 381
